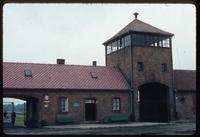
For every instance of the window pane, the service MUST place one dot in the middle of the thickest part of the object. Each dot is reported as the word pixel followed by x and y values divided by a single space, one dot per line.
pixel 127 40
pixel 138 39
pixel 123 42
pixel 119 44
pixel 166 43
pixel 109 50
pixel 140 66
pixel 163 67
pixel 27 73
pixel 64 104
pixel 114 46
pixel 116 104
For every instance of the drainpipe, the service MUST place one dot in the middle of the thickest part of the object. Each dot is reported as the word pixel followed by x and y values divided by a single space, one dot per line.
pixel 131 71
pixel 173 88
pixel 131 101
pixel 129 90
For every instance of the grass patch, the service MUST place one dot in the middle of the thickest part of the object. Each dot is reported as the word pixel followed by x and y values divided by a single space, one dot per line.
pixel 19 117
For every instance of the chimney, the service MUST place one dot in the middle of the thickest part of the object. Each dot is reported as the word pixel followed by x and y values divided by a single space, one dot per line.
pixel 60 61
pixel 94 63
pixel 135 14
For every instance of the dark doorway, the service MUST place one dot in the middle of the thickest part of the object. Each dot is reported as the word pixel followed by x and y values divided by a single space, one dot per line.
pixel 90 110
pixel 32 113
pixel 153 102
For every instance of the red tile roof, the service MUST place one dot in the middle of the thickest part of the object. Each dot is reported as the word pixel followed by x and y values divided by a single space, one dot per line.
pixel 139 26
pixel 185 79
pixel 54 76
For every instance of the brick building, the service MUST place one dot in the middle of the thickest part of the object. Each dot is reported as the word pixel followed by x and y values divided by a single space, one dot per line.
pixel 137 81
pixel 185 92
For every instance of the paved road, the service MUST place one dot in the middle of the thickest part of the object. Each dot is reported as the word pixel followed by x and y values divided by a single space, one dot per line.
pixel 167 129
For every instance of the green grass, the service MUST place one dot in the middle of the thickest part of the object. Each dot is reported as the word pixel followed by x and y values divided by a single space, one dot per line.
pixel 19 117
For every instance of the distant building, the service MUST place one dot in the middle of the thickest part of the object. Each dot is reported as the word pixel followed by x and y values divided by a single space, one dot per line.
pixel 138 81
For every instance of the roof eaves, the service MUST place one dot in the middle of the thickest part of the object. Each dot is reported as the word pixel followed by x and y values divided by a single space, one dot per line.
pixel 72 89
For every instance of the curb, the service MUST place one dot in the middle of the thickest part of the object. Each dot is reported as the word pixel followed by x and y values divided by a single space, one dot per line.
pixel 85 126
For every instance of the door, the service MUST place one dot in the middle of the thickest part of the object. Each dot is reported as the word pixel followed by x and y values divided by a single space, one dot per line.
pixel 90 110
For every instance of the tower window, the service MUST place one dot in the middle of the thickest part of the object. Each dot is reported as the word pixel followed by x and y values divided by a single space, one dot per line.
pixel 182 100
pixel 127 41
pixel 122 42
pixel 27 73
pixel 164 67
pixel 114 46
pixel 119 44
pixel 140 66
pixel 109 49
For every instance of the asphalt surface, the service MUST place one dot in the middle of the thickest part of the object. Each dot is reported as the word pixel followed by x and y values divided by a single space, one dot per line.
pixel 176 128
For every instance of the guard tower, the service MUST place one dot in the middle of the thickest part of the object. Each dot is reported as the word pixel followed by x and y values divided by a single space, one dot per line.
pixel 143 53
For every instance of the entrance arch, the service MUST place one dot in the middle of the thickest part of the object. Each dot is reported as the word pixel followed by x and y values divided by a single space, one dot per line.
pixel 32 109
pixel 154 102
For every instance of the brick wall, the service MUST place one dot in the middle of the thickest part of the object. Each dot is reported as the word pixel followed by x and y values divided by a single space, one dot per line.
pixel 186 104
pixel 103 98
pixel 152 58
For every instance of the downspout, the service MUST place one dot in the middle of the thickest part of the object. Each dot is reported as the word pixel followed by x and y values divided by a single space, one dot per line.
pixel 129 89
pixel 131 71
pixel 105 54
pixel 130 96
pixel 173 88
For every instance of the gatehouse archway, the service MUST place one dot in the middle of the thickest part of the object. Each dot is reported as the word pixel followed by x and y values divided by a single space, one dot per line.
pixel 32 109
pixel 154 102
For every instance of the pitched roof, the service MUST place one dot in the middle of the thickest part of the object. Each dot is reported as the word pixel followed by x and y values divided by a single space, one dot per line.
pixel 54 76
pixel 185 79
pixel 139 26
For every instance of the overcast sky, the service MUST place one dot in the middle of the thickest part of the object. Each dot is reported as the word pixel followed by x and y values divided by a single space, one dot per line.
pixel 41 33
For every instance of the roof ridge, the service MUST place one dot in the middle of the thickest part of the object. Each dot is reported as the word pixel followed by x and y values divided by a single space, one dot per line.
pixel 57 64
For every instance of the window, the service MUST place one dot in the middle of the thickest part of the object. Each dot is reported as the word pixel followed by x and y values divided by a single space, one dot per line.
pixel 164 67
pixel 160 41
pixel 127 41
pixel 109 49
pixel 114 46
pixel 116 104
pixel 93 75
pixel 119 44
pixel 123 42
pixel 166 43
pixel 182 100
pixel 63 104
pixel 140 66
pixel 138 39
pixel 27 73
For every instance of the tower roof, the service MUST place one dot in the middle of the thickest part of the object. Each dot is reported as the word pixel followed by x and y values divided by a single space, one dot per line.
pixel 139 26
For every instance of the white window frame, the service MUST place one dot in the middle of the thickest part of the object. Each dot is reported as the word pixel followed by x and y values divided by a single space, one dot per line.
pixel 64 104
pixel 116 104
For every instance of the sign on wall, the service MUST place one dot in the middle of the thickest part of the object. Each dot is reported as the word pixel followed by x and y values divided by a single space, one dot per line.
pixel 76 104
pixel 46 101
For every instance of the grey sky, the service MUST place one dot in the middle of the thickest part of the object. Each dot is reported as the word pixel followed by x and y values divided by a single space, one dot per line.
pixel 41 33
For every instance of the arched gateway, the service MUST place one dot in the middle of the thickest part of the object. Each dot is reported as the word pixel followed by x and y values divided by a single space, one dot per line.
pixel 154 102
pixel 32 107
